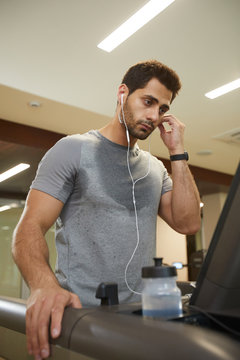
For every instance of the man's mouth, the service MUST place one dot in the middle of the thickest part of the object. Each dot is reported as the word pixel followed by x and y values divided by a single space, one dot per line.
pixel 146 125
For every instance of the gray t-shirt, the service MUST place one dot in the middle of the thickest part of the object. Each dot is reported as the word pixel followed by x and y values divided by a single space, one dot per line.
pixel 96 230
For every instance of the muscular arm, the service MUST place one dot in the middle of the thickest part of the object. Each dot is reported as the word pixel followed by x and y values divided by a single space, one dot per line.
pixel 180 208
pixel 47 299
pixel 30 250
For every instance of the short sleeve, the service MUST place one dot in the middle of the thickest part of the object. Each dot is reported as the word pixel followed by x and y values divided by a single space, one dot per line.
pixel 167 182
pixel 58 169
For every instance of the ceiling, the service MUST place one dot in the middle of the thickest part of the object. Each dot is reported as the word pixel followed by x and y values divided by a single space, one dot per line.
pixel 49 53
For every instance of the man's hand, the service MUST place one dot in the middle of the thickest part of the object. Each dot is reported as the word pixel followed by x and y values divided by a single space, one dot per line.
pixel 46 305
pixel 173 139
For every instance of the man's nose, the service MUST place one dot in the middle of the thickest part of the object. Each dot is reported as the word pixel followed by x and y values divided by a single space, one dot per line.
pixel 153 115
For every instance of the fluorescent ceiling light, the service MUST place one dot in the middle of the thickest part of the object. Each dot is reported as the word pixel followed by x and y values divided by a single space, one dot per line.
pixel 7 207
pixel 134 23
pixel 13 171
pixel 223 89
pixel 4 208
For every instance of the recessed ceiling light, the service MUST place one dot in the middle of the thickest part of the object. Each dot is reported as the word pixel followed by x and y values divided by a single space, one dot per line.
pixel 205 152
pixel 34 104
pixel 13 171
pixel 134 23
pixel 223 89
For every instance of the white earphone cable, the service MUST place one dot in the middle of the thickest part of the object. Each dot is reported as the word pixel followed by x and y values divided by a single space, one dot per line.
pixel 133 195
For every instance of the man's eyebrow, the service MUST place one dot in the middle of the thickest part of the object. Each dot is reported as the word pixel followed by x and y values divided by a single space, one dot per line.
pixel 165 106
pixel 157 102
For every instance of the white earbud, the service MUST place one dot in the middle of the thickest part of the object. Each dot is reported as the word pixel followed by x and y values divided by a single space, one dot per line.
pixel 121 99
pixel 119 116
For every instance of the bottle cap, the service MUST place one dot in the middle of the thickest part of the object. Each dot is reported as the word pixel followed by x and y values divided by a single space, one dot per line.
pixel 158 270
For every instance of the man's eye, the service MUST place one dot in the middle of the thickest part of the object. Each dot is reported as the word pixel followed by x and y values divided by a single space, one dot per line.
pixel 147 102
pixel 162 110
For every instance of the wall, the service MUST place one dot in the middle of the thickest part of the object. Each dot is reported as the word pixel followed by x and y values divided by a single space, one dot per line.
pixel 213 205
pixel 172 247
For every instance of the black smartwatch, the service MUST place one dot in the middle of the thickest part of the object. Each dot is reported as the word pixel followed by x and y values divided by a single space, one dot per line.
pixel 183 156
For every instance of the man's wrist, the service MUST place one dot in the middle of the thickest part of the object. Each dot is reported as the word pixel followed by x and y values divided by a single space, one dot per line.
pixel 177 151
pixel 179 156
pixel 48 282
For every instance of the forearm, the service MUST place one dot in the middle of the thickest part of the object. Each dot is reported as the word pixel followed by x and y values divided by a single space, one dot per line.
pixel 30 252
pixel 185 204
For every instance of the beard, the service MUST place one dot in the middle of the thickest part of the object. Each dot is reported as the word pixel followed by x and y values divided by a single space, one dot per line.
pixel 132 124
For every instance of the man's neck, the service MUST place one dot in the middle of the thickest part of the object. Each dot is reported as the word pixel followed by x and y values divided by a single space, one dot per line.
pixel 116 132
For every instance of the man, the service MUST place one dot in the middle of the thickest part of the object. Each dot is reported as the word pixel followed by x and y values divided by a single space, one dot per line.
pixel 94 186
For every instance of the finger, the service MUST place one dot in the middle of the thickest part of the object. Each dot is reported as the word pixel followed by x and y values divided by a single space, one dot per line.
pixel 57 313
pixel 165 130
pixel 32 315
pixel 28 333
pixel 172 120
pixel 165 120
pixel 75 302
pixel 166 117
pixel 43 329
pixel 161 128
pixel 58 310
pixel 43 340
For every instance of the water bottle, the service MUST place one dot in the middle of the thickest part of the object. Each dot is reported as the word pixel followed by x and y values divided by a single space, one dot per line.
pixel 161 297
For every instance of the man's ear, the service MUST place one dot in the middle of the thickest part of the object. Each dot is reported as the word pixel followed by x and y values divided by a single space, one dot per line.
pixel 122 93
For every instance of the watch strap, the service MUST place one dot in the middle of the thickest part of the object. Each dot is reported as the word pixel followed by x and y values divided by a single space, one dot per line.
pixel 183 156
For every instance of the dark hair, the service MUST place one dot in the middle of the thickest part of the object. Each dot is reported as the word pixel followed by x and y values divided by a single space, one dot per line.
pixel 141 73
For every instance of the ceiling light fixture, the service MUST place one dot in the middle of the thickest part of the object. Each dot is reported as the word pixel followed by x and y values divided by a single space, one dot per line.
pixel 4 208
pixel 134 23
pixel 34 104
pixel 223 89
pixel 8 207
pixel 205 152
pixel 13 171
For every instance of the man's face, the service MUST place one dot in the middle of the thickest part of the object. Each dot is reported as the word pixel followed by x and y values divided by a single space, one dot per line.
pixel 144 108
